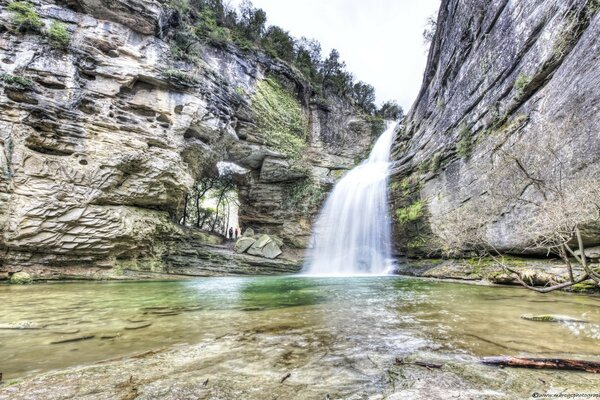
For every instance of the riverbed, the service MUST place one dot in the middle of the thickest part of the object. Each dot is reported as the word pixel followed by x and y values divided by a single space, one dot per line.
pixel 340 337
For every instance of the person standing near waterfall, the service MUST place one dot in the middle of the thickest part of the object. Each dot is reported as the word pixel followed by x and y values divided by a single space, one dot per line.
pixel 231 232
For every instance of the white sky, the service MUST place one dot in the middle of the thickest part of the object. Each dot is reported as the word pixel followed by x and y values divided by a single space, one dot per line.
pixel 380 40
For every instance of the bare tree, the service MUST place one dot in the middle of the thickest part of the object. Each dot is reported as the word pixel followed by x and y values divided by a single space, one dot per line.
pixel 558 207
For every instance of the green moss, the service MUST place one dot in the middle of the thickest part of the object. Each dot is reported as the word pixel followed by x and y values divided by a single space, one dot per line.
pixel 24 16
pixel 21 82
pixel 21 278
pixel 436 162
pixel 584 287
pixel 464 147
pixel 306 196
pixel 179 78
pixel 58 35
pixel 410 213
pixel 416 242
pixel 439 103
pixel 521 84
pixel 280 119
pixel 377 125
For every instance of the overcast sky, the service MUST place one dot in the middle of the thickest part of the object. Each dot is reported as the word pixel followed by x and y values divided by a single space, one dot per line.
pixel 380 40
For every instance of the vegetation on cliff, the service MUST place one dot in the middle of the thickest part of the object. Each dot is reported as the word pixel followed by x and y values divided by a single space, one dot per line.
pixel 279 118
pixel 217 23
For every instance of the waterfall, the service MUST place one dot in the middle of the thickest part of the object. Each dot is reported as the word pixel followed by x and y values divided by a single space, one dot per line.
pixel 352 234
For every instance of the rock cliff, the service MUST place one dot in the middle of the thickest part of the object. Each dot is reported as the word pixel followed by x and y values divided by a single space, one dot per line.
pixel 101 141
pixel 507 117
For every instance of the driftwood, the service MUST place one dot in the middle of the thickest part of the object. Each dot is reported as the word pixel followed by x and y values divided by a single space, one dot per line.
pixel 427 365
pixel 544 363
pixel 75 339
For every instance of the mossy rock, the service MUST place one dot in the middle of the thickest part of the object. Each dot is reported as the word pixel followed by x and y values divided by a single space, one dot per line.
pixel 280 119
pixel 21 278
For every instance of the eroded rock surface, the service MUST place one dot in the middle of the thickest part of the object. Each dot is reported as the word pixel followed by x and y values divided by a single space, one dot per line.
pixel 505 81
pixel 100 146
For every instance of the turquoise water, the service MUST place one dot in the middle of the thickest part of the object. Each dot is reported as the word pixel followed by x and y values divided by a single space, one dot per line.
pixel 380 315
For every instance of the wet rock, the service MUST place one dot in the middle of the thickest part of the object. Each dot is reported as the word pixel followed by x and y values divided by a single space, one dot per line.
pixel 243 244
pixel 138 326
pixel 22 325
pixel 21 278
pixel 249 232
pixel 66 331
pixel 593 253
pixel 107 336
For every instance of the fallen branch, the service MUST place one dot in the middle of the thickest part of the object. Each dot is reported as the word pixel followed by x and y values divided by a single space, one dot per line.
pixel 544 363
pixel 285 377
pixel 418 363
pixel 75 339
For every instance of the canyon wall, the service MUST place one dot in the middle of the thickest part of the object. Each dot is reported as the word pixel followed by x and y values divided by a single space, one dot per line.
pixel 101 141
pixel 506 123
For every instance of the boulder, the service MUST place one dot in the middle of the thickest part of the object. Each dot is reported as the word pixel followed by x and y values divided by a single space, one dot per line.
pixel 271 250
pixel 249 232
pixel 244 244
pixel 21 278
pixel 256 249
pixel 280 170
pixel 592 253
pixel 266 247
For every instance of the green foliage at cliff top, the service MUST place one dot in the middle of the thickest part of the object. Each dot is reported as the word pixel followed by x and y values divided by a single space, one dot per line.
pixel 279 118
pixel 24 16
pixel 217 23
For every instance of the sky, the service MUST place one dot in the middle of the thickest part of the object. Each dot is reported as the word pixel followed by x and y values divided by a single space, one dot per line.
pixel 380 40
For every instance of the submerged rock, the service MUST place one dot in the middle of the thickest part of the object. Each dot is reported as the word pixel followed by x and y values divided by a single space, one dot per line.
pixel 21 278
pixel 550 318
pixel 22 325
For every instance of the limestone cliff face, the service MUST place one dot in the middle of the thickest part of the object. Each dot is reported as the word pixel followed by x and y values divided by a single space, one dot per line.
pixel 100 143
pixel 507 83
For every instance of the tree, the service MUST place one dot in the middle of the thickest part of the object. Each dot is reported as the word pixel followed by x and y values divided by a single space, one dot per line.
pixel 279 43
pixel 364 96
pixel 391 110
pixel 559 207
pixel 430 28
pixel 252 21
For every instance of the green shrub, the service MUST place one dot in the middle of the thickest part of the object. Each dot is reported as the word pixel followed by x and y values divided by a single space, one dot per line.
pixel 19 81
pixel 24 17
pixel 179 78
pixel 464 147
pixel 521 83
pixel 436 162
pixel 410 213
pixel 58 35
pixel 306 196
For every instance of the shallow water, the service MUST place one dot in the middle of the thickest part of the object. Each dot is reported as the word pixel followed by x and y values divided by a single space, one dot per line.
pixel 348 316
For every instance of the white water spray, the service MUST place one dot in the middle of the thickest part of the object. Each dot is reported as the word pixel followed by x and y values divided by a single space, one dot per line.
pixel 352 233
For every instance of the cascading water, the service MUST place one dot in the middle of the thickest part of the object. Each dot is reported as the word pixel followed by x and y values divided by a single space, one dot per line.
pixel 352 233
